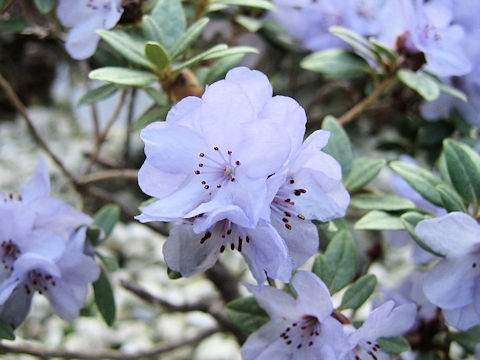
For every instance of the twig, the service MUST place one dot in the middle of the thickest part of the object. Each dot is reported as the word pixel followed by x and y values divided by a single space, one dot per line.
pixel 17 103
pixel 127 174
pixel 131 110
pixel 153 352
pixel 103 135
pixel 362 105
pixel 207 306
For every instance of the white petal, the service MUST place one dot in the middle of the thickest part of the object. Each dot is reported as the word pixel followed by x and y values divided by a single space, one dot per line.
pixel 39 185
pixel 82 39
pixel 463 318
pixel 313 295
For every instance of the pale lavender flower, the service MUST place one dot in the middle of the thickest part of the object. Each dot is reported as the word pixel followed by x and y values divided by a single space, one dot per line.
pixel 454 283
pixel 425 28
pixel 308 187
pixel 385 321
pixel 40 248
pixel 85 17
pixel 218 151
pixel 308 21
pixel 300 328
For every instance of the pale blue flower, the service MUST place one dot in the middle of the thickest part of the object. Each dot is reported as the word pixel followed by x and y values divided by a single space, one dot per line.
pixel 41 249
pixel 85 17
pixel 218 151
pixel 301 328
pixel 454 283
pixel 385 321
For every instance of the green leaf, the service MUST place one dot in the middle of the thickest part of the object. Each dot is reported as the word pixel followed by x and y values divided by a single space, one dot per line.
pixel 393 345
pixel 447 89
pixel 356 41
pixel 189 37
pixel 221 67
pixel 410 220
pixel 106 218
pixel 249 23
pixel 99 93
pixel 341 256
pixel 123 76
pixel 359 292
pixel 13 25
pixel 336 64
pixel 157 55
pixel 468 339
pixel 173 275
pixel 379 220
pixel 104 298
pixel 260 4
pixel 420 179
pixel 363 171
pixel 157 95
pixel 110 263
pixel 93 234
pixel 451 200
pixel 3 3
pixel 129 47
pixel 235 50
pixel 45 6
pixel 166 24
pixel 200 57
pixel 384 50
pixel 421 83
pixel 152 114
pixel 463 165
pixel 247 314
pixel 322 269
pixel 339 144
pixel 381 202
pixel 6 331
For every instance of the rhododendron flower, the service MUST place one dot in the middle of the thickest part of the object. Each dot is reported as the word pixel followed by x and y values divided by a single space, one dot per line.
pixel 454 283
pixel 301 328
pixel 85 17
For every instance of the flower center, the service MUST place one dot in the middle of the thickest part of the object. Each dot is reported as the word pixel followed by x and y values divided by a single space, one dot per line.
pixel 302 333
pixel 9 254
pixel 371 349
pixel 230 233
pixel 282 205
pixel 38 280
pixel 217 168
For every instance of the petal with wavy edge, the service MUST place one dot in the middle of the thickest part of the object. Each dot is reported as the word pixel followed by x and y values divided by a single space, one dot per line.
pixel 65 301
pixel 453 235
pixel 44 243
pixel 214 212
pixel 184 253
pixel 313 295
pixel 183 112
pixel 39 184
pixel 450 284
pixel 158 183
pixel 16 307
pixel 463 318
pixel 278 304
pixel 267 254
pixel 302 241
pixel 82 39
pixel 254 84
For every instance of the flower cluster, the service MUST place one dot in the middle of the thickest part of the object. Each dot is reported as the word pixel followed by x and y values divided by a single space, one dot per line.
pixel 85 17
pixel 232 168
pixel 305 327
pixel 422 33
pixel 42 248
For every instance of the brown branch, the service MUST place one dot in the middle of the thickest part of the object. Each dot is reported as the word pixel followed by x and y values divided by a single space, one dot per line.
pixel 17 103
pixel 208 306
pixel 365 103
pixel 40 352
pixel 127 174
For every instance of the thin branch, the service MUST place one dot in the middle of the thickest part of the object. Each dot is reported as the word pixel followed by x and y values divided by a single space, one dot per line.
pixel 17 103
pixel 208 306
pixel 153 352
pixel 103 136
pixel 127 174
pixel 131 111
pixel 365 103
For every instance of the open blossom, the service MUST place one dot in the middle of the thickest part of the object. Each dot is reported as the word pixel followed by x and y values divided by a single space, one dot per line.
pixel 385 321
pixel 216 151
pixel 85 17
pixel 42 249
pixel 425 28
pixel 454 283
pixel 301 328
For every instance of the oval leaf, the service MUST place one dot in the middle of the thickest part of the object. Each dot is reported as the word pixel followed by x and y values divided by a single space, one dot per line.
pixel 104 298
pixel 421 83
pixel 157 55
pixel 379 220
pixel 363 171
pixel 381 202
pixel 359 292
pixel 339 144
pixel 123 76
pixel 247 314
